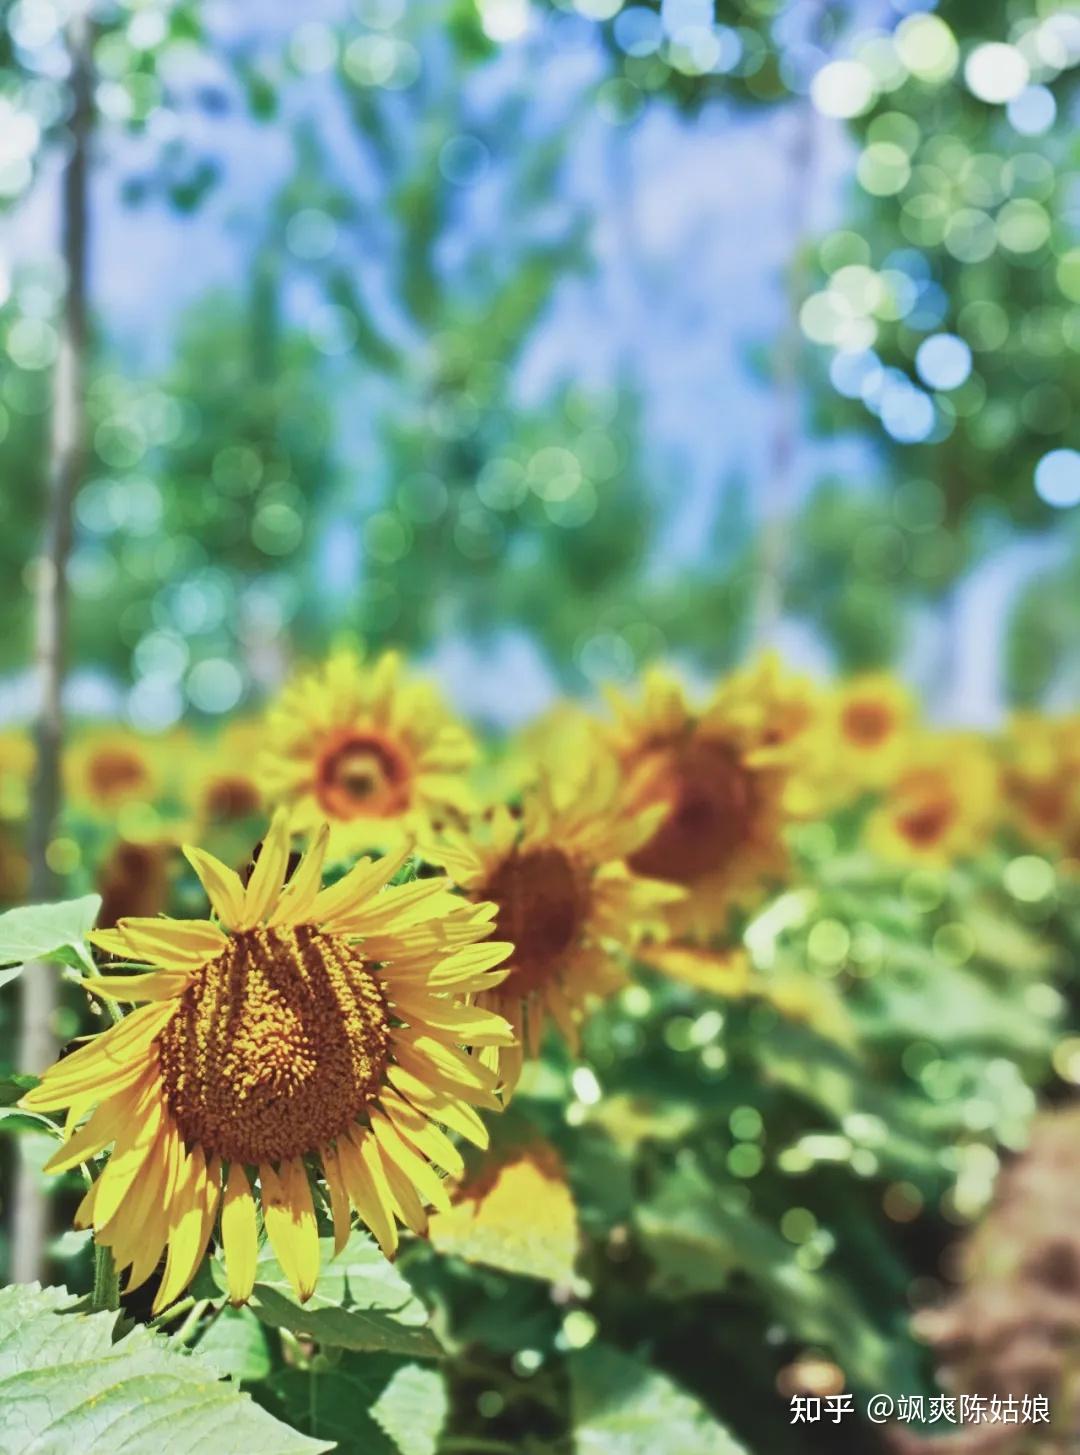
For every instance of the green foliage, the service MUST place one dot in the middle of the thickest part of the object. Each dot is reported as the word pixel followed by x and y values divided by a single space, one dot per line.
pixel 47 932
pixel 66 1381
pixel 360 1302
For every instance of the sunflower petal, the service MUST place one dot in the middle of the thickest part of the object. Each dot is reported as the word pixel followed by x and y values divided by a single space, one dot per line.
pixel 223 885
pixel 268 875
pixel 298 896
pixel 239 1235
pixel 290 1224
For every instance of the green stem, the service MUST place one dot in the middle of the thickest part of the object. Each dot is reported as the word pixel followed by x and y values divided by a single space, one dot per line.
pixel 106 1294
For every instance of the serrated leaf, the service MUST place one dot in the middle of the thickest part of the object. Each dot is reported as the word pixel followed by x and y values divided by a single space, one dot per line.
pixel 360 1302
pixel 334 1401
pixel 47 932
pixel 622 1407
pixel 236 1344
pixel 412 1409
pixel 66 1386
pixel 518 1214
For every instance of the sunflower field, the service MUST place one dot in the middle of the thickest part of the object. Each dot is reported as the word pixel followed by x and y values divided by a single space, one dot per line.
pixel 539 729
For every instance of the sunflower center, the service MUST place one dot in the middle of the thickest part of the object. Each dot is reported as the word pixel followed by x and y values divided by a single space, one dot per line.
pixel 229 799
pixel 866 723
pixel 542 907
pixel 113 771
pixel 276 1046
pixel 927 822
pixel 714 801
pixel 359 775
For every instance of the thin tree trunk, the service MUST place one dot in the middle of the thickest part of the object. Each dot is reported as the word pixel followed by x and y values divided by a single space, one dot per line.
pixel 782 461
pixel 37 1041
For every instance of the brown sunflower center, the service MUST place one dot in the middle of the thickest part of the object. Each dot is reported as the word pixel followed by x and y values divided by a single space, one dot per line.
pixel 542 907
pixel 114 771
pixel 276 1046
pixel 360 774
pixel 229 799
pixel 867 724
pixel 713 805
pixel 927 814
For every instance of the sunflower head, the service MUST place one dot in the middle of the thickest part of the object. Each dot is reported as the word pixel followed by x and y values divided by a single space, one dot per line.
pixel 720 778
pixel 872 717
pixel 17 759
pixel 300 1028
pixel 375 756
pixel 1040 780
pixel 113 769
pixel 942 803
pixel 565 897
pixel 222 785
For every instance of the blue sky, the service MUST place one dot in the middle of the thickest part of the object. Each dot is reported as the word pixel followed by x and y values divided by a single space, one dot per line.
pixel 693 230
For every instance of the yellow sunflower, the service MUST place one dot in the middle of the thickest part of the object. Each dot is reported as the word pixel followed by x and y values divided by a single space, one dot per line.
pixel 107 769
pixel 871 718
pixel 17 758
pixel 942 803
pixel 564 897
pixel 1040 780
pixel 354 745
pixel 725 776
pixel 301 1026
pixel 221 783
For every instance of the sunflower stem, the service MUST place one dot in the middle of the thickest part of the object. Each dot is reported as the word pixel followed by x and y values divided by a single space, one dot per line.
pixel 106 1294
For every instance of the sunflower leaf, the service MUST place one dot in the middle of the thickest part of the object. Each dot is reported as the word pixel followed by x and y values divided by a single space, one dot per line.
pixel 371 1404
pixel 47 932
pixel 65 1384
pixel 622 1407
pixel 360 1302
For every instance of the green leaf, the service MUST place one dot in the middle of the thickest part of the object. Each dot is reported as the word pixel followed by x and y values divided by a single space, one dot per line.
pixel 622 1407
pixel 335 1401
pixel 412 1409
pixel 66 1385
pixel 360 1302
pixel 47 932
pixel 237 1345
pixel 14 1088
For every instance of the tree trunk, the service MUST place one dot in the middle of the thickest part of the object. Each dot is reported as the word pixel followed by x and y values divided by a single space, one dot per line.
pixel 37 1040
pixel 782 459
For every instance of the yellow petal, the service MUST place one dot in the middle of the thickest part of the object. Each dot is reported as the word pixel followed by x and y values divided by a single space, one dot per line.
pixel 239 1235
pixel 354 890
pixel 168 943
pixel 187 1219
pixel 420 1174
pixel 298 896
pixel 268 875
pixel 290 1224
pixel 132 989
pixel 339 1197
pixel 470 1024
pixel 368 1189
pixel 223 886
pixel 440 1105
pixel 415 1128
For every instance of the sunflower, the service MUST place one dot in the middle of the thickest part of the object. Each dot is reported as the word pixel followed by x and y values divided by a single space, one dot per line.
pixel 375 756
pixel 17 759
pixel 108 769
pixel 221 784
pixel 302 1026
pixel 1040 780
pixel 564 897
pixel 725 776
pixel 871 719
pixel 942 803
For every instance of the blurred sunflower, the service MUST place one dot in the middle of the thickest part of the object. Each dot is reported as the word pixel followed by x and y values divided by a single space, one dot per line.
pixel 871 718
pixel 565 899
pixel 16 773
pixel 1040 779
pixel 375 756
pixel 221 784
pixel 108 768
pixel 301 1024
pixel 723 777
pixel 942 803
